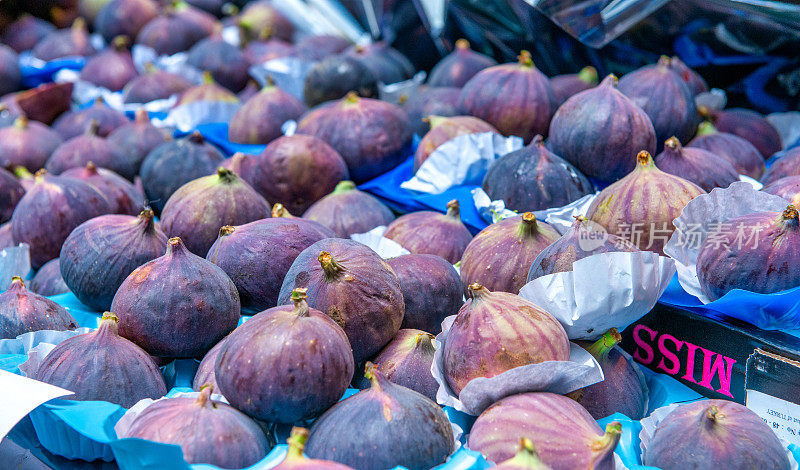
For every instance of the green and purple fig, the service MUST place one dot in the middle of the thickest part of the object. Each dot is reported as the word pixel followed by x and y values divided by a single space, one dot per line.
pixel 154 85
pixel 178 305
pixel 25 32
pixel 48 280
pixel 598 130
pixel 787 165
pixel 787 188
pixel 226 63
pixel 205 371
pixel 526 459
pixel 567 85
pixel 697 165
pixel 740 153
pixel 407 360
pixel 101 365
pixel 112 68
pixel 388 65
pixel 124 18
pixel 351 284
pixel 259 18
pixel 444 129
pixel 138 138
pixel 70 42
pixel 11 192
pixel 336 76
pixel 495 332
pixel 433 233
pixel 122 195
pixel 456 68
pixel 79 151
pixel 22 311
pixel 693 80
pixel 259 120
pixel 748 125
pixel 27 143
pixel 207 91
pixel 347 211
pixel 430 101
pixel 295 460
pixel 75 123
pixel 640 207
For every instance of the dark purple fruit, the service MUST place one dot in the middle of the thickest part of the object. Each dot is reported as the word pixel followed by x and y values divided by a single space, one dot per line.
pixel 444 129
pixel 693 80
pixel 101 365
pixel 122 195
pixel 347 211
pixel 456 68
pixel 259 120
pixel 697 165
pixel 571 84
pixel 138 138
pixel 748 125
pixel 207 91
pixel 260 19
pixel 124 18
pixel 27 143
pixel 319 47
pixel 204 21
pixel 295 460
pixel 787 165
pixel 78 151
pixel 407 360
pixel 386 64
pixel 11 191
pixel 10 75
pixel 434 233
pixel 70 42
pixel 430 101
pixel 25 32
pixel 205 371
pixel 22 311
pixel 178 305
pixel 48 280
pixel 787 188
pixel 169 34
pixel 154 85
pixel 264 50
pixel 336 76
pixel 74 123
pixel 112 68
pixel 745 158
pixel 227 63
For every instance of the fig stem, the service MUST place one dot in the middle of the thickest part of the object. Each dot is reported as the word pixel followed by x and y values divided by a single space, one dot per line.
pixel 434 120
pixel 528 226
pixel 108 323
pixel 706 128
pixel 208 79
pixel 424 341
pixel 673 143
pixel 462 44
pixel 525 59
pixel 351 97
pixel 589 75
pixel 17 281
pixel 21 123
pixel 644 160
pixel 791 216
pixel 299 296
pixel 330 266
pixel 610 80
pixel 453 209
pixel 297 443
pixel 22 173
pixel 402 99
pixel 147 219
pixel 120 43
pixel 141 117
pixel 205 395
pixel 343 187
pixel 372 374
pixel 608 441
pixel 664 61
pixel 39 175
pixel 94 126
pixel 600 348
pixel 279 211
pixel 477 291
pixel 196 138
pixel 527 457
pixel 226 175
pixel 174 246
pixel 226 230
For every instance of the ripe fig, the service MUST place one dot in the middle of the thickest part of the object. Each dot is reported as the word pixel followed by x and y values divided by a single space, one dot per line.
pixel 74 123
pixel 73 41
pixel 259 18
pixel 347 211
pixel 526 459
pixel 22 311
pixel 259 120
pixel 25 32
pixel 78 151
pixel 447 128
pixel 226 63
pixel 48 280
pixel 11 191
pixel 122 195
pixel 336 76
pixel 10 74
pixel 693 79
pixel 407 360
pixel 430 101
pixel 748 125
pixel 745 158
pixel 571 84
pixel 787 188
pixel 428 232
pixel 699 166
pixel 124 18
pixel 456 68
pixel 787 165
pixel 27 143
pixel 207 91
pixel 138 138
pixel 205 371
pixel 319 47
pixel 388 65
pixel 170 33
pixel 154 85
pixel 112 68
pixel 295 460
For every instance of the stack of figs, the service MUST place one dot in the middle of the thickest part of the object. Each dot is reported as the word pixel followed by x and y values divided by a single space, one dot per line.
pixel 242 267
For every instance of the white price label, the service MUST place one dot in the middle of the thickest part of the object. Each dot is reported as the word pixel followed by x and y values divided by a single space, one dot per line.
pixel 780 415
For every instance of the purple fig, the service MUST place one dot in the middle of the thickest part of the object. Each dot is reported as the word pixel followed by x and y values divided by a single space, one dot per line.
pixel 123 196
pixel 6 239
pixel 124 18
pixel 11 191
pixel 319 47
pixel 22 311
pixel 169 34
pixel 154 85
pixel 100 253
pixel 27 143
pixel 48 280
pixel 564 433
pixel 297 171
pixel 456 68
pixel 101 365
pixel 697 165
pixel 25 32
pixel 207 431
pixel 74 123
pixel 623 389
pixel 510 331
pixel 584 238
pixel 10 74
pixel 567 85
pixel 428 232
pixel 258 52
pixel 534 178
pixel 178 305
pixel 207 91
pixel 249 91
pixel 241 163
pixel 386 64
pixel 70 42
pixel 303 388
pixel 260 18
pixel 641 206
pixel 258 255
pixel 112 68
pixel 787 188
pixel 526 459
pixel 199 208
pixel 226 63
pixel 407 360
pixel 175 163
pixel 431 290
pixel 787 165
pixel 693 79
pixel 205 371
pixel 766 262
pixel 517 99
pixel 43 103
pixel 295 460
pixel 138 138
pixel 24 177
pixel 278 211
pixel 665 97
pixel 50 210
pixel 430 101
pixel 444 129
pixel 336 76
pixel 207 23
pixel 347 211
pixel 259 120
pixel 354 286
pixel 748 125
pixel 385 426
pixel 500 256
pixel 719 431
pixel 89 147
pixel 371 135
pixel 745 158
pixel 598 130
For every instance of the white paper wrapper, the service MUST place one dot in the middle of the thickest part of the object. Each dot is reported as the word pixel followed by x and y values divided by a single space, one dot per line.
pixel 561 218
pixel 385 247
pixel 752 182
pixel 490 211
pixel 230 34
pixel 702 214
pixel 36 345
pixel 84 92
pixel 463 160
pixel 14 261
pixel 176 63
pixel 187 117
pixel 393 91
pixel 559 377
pixel 288 73
pixel 787 125
pixel 603 291
pixel 124 424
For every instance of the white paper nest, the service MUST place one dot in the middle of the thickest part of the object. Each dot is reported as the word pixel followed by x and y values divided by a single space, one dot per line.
pixel 36 345
pixel 385 247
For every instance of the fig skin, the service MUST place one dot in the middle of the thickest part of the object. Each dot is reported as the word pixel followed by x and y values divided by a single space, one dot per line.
pixel 154 85
pixel 770 266
pixel 385 426
pixel 100 254
pixel 527 335
pixel 227 63
pixel 564 433
pixel 455 69
pixel 693 80
pixel 699 166
pixel 260 18
pixel 208 431
pixel 205 371
pixel 178 305
pixel 748 125
pixel 295 460
pixel 75 123
pixel 303 388
pixel 623 390
pixel 242 164
pixel 740 153
pixel 78 151
pixel 444 129
pixel 207 91
pixel 719 431
pixel 319 47
pixel 11 192
pixel 204 21
pixel 48 280
pixel 500 256
pixel 124 18
pixel 386 64
pixel 571 84
pixel 101 365
pixel 648 197
pixel 259 120
pixel 347 211
pixel 170 33
pixel 43 103
pixel 433 233
pixel 562 253
pixel 665 97
pixel 430 101
pixel 258 255
pixel 73 41
pixel 27 143
pixel 534 178
pixel 431 290
pixel 599 130
pixel 122 195
pixel 10 74
pixel 22 311
pixel 787 165
pixel 50 210
pixel 112 68
pixel 199 208
pixel 138 138
pixel 25 32
pixel 526 458
pixel 258 52
pixel 175 163
pixel 335 76
pixel 351 284
pixel 371 135
pixel 407 360
pixel 6 239
pixel 787 188
pixel 297 171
